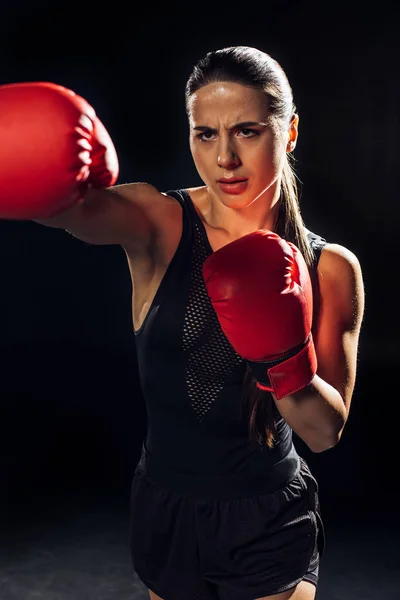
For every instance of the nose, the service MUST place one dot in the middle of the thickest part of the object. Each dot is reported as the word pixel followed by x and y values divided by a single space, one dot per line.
pixel 227 156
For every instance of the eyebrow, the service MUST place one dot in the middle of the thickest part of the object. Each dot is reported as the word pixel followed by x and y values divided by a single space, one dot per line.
pixel 241 125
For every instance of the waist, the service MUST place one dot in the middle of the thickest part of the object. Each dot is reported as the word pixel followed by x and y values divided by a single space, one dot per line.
pixel 241 485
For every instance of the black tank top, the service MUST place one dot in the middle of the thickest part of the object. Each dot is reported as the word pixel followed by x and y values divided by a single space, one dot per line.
pixel 190 375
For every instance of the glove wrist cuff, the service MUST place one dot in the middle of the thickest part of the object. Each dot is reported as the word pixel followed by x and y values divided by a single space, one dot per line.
pixel 291 374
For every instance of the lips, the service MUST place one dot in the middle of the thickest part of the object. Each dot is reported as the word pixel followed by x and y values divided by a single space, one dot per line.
pixel 233 186
pixel 232 180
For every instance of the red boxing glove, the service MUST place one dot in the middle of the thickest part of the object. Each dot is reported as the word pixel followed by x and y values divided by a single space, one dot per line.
pixel 261 290
pixel 52 147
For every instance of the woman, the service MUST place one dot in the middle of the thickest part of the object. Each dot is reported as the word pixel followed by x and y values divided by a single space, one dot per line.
pixel 246 324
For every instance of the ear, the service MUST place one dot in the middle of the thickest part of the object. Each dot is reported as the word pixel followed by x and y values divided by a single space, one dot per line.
pixel 293 133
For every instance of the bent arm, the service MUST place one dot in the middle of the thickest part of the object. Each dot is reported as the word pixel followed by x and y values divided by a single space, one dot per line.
pixel 318 413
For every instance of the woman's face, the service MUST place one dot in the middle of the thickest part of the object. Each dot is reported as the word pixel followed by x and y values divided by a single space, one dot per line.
pixel 233 138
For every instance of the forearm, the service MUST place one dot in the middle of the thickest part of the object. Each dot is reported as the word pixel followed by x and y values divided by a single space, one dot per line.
pixel 316 413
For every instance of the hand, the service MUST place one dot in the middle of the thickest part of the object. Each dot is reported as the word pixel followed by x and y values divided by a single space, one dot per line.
pixel 261 290
pixel 53 147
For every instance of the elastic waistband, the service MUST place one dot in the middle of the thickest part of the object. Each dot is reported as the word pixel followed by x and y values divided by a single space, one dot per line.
pixel 240 486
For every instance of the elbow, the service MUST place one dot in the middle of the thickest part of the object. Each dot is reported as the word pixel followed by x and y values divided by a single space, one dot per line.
pixel 338 431
pixel 318 448
pixel 320 444
pixel 331 439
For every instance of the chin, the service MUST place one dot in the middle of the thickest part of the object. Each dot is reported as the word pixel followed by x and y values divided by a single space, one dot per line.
pixel 237 202
pixel 232 200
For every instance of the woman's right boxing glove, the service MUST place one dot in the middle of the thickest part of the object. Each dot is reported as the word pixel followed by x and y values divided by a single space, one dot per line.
pixel 52 148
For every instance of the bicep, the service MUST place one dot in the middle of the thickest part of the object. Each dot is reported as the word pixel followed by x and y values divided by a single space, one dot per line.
pixel 340 317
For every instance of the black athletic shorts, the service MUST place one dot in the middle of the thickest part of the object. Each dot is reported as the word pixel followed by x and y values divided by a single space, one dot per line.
pixel 189 545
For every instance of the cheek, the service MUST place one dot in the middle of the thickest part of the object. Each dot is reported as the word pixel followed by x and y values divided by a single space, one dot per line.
pixel 263 161
pixel 199 158
pixel 272 157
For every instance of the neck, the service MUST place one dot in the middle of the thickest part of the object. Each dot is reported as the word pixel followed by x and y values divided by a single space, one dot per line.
pixel 261 213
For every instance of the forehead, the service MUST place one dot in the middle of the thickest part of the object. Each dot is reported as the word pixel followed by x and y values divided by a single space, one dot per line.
pixel 228 99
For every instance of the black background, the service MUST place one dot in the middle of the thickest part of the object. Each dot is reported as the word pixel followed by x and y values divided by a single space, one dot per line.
pixel 72 417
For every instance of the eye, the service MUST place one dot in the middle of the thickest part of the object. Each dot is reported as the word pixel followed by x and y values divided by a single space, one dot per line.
pixel 248 132
pixel 205 136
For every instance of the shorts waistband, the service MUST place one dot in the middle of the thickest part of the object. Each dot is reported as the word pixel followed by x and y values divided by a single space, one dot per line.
pixel 211 487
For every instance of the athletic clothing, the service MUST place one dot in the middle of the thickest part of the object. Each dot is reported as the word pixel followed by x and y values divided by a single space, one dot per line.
pixel 190 375
pixel 197 452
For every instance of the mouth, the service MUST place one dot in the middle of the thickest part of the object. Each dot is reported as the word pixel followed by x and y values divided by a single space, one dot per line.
pixel 235 185
pixel 231 180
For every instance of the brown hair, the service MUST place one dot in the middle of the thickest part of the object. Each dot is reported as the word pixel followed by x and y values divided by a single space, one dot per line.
pixel 254 68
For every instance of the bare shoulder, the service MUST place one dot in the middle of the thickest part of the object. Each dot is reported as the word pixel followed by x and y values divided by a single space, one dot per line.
pixel 159 208
pixel 141 193
pixel 156 219
pixel 341 282
pixel 336 256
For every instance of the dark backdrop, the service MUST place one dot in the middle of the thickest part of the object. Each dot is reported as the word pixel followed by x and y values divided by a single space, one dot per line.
pixel 72 417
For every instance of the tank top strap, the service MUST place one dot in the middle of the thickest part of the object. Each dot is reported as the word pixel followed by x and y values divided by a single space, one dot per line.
pixel 186 219
pixel 183 197
pixel 317 244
